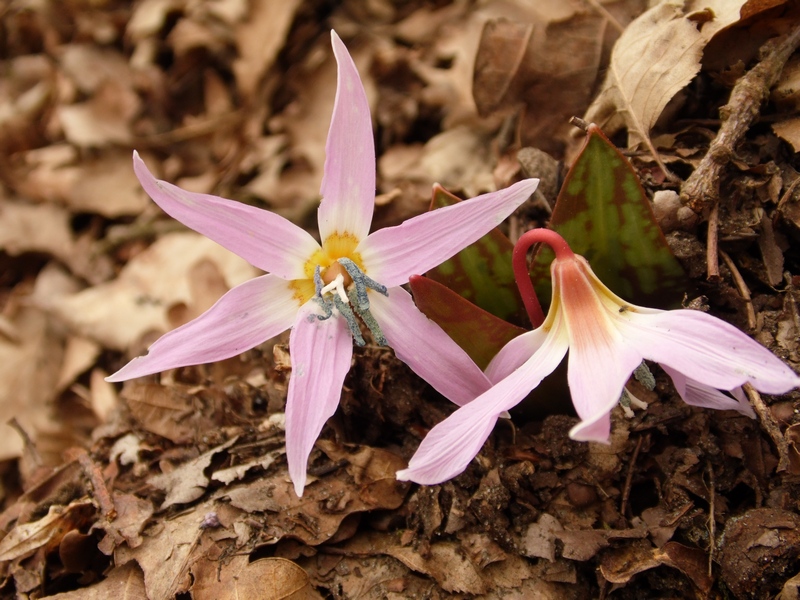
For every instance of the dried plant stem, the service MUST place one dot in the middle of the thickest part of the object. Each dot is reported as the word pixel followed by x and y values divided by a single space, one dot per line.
pixel 712 246
pixel 626 491
pixel 770 425
pixel 712 523
pixel 744 291
pixel 701 190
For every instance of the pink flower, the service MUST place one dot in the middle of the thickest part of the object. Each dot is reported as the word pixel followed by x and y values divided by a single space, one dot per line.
pixel 607 339
pixel 321 290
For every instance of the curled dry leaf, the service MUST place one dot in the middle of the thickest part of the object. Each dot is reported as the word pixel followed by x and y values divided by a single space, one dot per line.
pixel 656 56
pixel 187 482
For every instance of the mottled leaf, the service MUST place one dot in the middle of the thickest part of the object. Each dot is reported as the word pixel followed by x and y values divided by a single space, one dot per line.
pixel 478 332
pixel 604 214
pixel 481 272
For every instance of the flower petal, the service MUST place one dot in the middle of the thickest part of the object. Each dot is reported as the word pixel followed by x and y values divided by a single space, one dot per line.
pixel 426 348
pixel 243 318
pixel 391 255
pixel 697 394
pixel 348 183
pixel 264 239
pixel 514 354
pixel 321 353
pixel 600 360
pixel 452 444
pixel 707 350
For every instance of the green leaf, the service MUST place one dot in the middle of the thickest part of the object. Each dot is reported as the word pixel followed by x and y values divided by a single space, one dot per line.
pixel 604 214
pixel 478 332
pixel 481 272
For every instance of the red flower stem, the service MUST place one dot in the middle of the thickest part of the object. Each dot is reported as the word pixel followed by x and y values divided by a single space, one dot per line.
pixel 522 273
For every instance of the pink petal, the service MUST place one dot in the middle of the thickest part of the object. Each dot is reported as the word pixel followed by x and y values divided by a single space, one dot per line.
pixel 600 360
pixel 596 377
pixel 391 255
pixel 348 184
pixel 321 353
pixel 426 348
pixel 248 315
pixel 514 353
pixel 697 394
pixel 264 239
pixel 452 444
pixel 707 350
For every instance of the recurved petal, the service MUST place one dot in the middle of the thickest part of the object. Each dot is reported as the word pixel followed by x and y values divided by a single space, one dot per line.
pixel 597 372
pixel 707 350
pixel 452 444
pixel 321 353
pixel 245 317
pixel 264 239
pixel 426 348
pixel 348 183
pixel 697 394
pixel 514 354
pixel 391 255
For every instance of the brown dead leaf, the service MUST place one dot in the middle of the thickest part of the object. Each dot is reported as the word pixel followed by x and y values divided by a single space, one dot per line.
pixel 165 554
pixel 326 502
pixel 132 514
pixel 47 532
pixel 102 120
pixel 259 39
pixel 29 366
pixel 656 56
pixel 123 583
pixel 266 579
pixel 187 482
pixel 164 410
pixel 120 312
pixel 35 228
pixel 104 185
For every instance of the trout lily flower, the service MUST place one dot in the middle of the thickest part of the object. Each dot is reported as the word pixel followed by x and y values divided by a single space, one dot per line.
pixel 607 339
pixel 322 291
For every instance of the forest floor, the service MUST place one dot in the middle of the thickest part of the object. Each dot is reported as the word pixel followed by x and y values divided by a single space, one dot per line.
pixel 175 485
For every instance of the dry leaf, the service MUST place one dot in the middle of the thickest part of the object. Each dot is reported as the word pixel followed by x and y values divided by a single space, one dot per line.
pixel 165 552
pixel 656 56
pixel 259 40
pixel 120 312
pixel 187 482
pixel 266 579
pixel 123 583
pixel 35 228
pixel 47 532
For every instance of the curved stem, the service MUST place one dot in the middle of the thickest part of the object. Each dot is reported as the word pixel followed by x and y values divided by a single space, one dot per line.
pixel 522 274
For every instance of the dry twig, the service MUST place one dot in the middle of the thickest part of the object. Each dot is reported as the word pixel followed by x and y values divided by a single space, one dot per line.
pixel 770 425
pixel 701 190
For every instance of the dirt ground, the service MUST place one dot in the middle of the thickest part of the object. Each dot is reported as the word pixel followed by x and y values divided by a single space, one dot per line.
pixel 175 485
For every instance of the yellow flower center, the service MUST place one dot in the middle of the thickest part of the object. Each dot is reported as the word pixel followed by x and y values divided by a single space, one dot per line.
pixel 335 246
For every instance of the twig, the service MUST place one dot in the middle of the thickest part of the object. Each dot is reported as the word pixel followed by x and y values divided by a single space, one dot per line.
pixel 91 470
pixel 626 491
pixel 712 246
pixel 744 291
pixel 701 190
pixel 770 425
pixel 712 523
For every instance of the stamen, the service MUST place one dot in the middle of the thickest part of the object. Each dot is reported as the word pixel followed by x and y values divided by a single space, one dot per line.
pixel 361 283
pixel 644 375
pixel 627 399
pixel 369 321
pixel 352 323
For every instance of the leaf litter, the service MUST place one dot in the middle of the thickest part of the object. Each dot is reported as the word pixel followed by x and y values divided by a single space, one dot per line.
pixel 183 491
